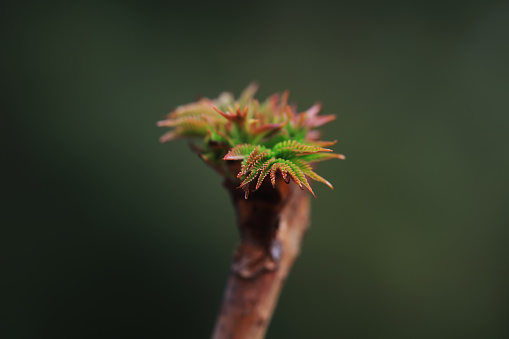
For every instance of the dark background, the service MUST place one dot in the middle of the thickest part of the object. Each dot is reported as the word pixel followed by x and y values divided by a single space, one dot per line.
pixel 108 234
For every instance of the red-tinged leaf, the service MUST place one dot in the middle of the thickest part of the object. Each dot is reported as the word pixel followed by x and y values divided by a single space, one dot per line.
pixel 237 115
pixel 244 168
pixel 283 104
pixel 316 157
pixel 254 161
pixel 203 106
pixel 316 177
pixel 300 119
pixel 313 110
pixel 305 167
pixel 323 143
pixel 250 177
pixel 288 113
pixel 292 171
pixel 284 171
pixel 256 108
pixel 171 135
pixel 299 177
pixel 212 120
pixel 165 123
pixel 268 128
pixel 320 120
pixel 239 152
pixel 264 170
pixel 273 172
pixel 187 122
pixel 269 106
pixel 223 114
pixel 243 112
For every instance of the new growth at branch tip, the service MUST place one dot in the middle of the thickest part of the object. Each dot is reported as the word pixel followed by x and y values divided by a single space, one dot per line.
pixel 267 137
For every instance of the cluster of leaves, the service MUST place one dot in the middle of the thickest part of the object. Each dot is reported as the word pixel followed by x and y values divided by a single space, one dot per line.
pixel 267 137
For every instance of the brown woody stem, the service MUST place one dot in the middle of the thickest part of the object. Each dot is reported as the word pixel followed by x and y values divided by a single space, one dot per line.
pixel 271 223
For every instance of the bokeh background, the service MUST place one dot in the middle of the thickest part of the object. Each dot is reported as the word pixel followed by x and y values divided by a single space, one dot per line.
pixel 107 233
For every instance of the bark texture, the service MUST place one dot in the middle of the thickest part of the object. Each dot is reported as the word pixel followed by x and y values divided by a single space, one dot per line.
pixel 272 223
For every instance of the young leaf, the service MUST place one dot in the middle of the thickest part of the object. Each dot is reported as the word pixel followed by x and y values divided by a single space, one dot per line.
pixel 265 137
pixel 239 152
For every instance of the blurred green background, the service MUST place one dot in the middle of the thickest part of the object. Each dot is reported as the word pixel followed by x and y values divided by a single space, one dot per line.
pixel 108 233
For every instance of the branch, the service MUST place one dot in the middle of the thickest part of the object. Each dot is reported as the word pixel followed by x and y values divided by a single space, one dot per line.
pixel 271 223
